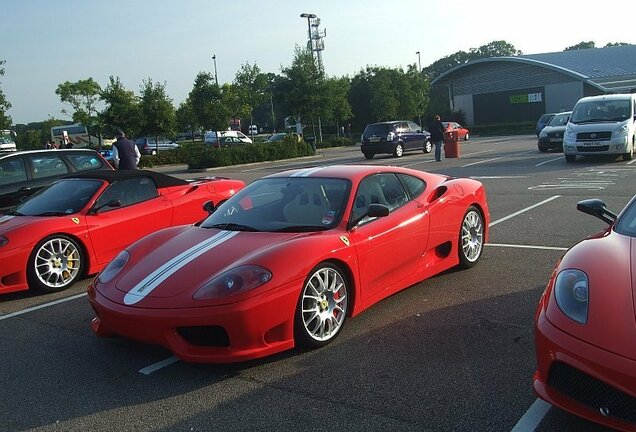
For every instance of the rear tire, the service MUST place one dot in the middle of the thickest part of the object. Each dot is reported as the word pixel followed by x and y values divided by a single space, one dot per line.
pixel 399 150
pixel 471 238
pixel 428 147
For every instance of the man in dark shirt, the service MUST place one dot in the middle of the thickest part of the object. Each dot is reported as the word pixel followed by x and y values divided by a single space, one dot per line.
pixel 436 128
pixel 125 153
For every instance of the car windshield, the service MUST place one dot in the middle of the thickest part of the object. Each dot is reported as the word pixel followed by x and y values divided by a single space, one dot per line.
pixel 626 224
pixel 276 137
pixel 613 110
pixel 288 204
pixel 378 129
pixel 63 197
pixel 559 120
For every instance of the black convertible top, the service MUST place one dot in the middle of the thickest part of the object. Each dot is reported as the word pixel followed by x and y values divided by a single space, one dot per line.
pixel 111 176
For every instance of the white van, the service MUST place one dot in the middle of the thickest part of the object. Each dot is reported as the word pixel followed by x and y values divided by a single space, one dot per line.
pixel 601 125
pixel 211 137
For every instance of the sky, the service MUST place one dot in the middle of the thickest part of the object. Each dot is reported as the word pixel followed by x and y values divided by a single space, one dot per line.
pixel 46 43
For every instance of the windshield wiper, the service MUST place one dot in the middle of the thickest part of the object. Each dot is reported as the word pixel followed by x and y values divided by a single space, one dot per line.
pixel 233 227
pixel 52 213
pixel 13 213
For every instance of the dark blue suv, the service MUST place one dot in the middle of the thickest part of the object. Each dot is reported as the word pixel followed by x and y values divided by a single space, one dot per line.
pixel 394 137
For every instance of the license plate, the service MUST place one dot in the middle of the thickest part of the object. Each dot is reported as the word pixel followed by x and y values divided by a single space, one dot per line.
pixel 589 144
pixel 374 139
pixel 556 139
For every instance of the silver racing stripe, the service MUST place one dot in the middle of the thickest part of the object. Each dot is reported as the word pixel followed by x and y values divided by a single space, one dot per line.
pixel 307 172
pixel 154 279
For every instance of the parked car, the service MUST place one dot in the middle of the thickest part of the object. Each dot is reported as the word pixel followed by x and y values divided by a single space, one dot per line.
pixel 151 145
pixel 543 120
pixel 232 287
pixel 211 137
pixel 230 141
pixel 23 173
pixel 584 324
pixel 462 132
pixel 252 129
pixel 277 137
pixel 394 137
pixel 551 136
pixel 75 226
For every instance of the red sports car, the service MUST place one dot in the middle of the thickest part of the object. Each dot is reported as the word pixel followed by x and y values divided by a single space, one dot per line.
pixel 585 327
pixel 286 260
pixel 462 132
pixel 78 224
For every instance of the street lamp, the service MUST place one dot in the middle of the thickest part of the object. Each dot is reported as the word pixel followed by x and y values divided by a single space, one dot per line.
pixel 419 64
pixel 216 79
pixel 309 17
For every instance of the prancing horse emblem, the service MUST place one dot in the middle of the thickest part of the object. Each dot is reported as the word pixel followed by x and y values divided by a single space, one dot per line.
pixel 345 240
pixel 76 220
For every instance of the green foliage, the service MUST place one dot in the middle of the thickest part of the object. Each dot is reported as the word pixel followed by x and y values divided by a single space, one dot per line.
pixel 5 120
pixel 492 49
pixel 83 96
pixel 335 141
pixel 32 136
pixel 186 120
pixel 122 109
pixel 581 45
pixel 157 112
pixel 302 86
pixel 210 111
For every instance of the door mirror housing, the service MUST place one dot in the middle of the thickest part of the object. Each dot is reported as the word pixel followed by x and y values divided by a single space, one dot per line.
pixel 598 208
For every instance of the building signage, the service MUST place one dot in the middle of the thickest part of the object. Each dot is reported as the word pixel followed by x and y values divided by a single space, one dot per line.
pixel 526 98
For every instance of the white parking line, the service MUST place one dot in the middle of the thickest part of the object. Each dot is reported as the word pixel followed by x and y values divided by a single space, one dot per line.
pixel 527 246
pixel 493 159
pixel 42 306
pixel 524 210
pixel 159 365
pixel 533 417
pixel 548 161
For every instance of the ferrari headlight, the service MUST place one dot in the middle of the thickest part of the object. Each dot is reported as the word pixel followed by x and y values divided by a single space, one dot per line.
pixel 3 241
pixel 233 281
pixel 571 290
pixel 621 131
pixel 113 267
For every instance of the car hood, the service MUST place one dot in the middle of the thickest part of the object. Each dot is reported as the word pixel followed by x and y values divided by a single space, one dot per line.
pixel 549 129
pixel 608 260
pixel 11 222
pixel 182 263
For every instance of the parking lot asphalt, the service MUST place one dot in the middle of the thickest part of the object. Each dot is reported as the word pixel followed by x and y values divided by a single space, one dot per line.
pixel 453 353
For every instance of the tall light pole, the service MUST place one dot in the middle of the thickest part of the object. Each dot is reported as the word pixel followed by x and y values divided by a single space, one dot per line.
pixel 419 64
pixel 216 79
pixel 309 16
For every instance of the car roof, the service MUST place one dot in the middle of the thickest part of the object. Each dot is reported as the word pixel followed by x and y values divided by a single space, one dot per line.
pixel 48 151
pixel 352 172
pixel 111 176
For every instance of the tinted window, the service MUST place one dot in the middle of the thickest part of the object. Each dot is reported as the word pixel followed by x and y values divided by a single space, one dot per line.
pixel 128 192
pixel 84 162
pixel 559 120
pixel 12 171
pixel 48 165
pixel 414 127
pixel 378 129
pixel 377 189
pixel 413 185
pixel 61 198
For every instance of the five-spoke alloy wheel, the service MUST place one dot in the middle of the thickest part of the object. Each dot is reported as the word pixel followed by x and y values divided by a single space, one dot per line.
pixel 55 263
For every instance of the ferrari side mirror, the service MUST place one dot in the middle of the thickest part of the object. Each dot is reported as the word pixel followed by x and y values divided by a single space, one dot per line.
pixel 596 207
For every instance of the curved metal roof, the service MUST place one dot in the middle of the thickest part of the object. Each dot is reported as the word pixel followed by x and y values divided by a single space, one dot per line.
pixel 609 69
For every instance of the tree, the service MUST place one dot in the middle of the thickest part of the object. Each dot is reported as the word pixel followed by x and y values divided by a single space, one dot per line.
pixel 207 106
pixel 336 105
pixel 613 44
pixel 83 96
pixel 581 45
pixel 250 87
pixel 157 112
pixel 186 121
pixel 122 109
pixel 5 120
pixel 302 85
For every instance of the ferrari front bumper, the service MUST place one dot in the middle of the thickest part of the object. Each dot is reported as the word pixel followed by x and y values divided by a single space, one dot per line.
pixel 246 330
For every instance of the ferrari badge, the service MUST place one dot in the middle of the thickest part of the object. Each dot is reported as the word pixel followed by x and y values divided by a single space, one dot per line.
pixel 345 240
pixel 75 220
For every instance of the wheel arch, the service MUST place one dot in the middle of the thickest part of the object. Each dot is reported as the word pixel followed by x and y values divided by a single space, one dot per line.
pixel 350 279
pixel 74 237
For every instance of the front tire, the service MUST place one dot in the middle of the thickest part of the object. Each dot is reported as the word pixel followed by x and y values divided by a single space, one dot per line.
pixel 471 238
pixel 399 150
pixel 368 155
pixel 55 263
pixel 630 155
pixel 428 147
pixel 466 137
pixel 570 158
pixel 322 308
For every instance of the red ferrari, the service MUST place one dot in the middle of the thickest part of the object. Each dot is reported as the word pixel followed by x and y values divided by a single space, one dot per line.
pixel 78 224
pixel 585 329
pixel 286 260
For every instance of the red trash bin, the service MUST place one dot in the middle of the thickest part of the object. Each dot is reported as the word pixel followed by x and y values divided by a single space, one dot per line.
pixel 451 144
